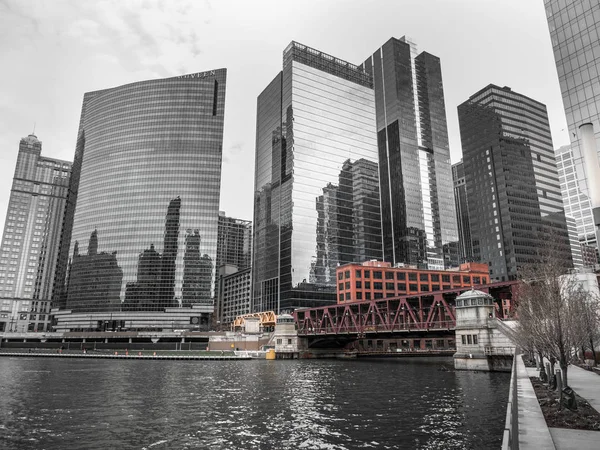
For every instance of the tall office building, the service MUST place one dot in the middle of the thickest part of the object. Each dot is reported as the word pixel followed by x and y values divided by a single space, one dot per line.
pixel 32 230
pixel 513 193
pixel 574 31
pixel 571 173
pixel 141 223
pixel 462 212
pixel 316 198
pixel 234 242
pixel 418 212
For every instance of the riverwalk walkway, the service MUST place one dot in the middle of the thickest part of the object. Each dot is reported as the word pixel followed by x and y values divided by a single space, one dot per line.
pixel 533 430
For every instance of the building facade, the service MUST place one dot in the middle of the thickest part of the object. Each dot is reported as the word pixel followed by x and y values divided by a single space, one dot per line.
pixel 30 243
pixel 417 205
pixel 574 244
pixel 234 242
pixel 140 230
pixel 572 177
pixel 374 280
pixel 513 193
pixel 576 44
pixel 316 200
pixel 462 212
pixel 234 296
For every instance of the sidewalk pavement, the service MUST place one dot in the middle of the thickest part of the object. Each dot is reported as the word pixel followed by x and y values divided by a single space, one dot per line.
pixel 587 385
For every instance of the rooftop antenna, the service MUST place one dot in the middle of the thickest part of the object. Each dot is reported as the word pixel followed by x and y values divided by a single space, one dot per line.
pixel 33 129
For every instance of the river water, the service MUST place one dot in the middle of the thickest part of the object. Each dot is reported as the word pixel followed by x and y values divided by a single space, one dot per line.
pixel 48 403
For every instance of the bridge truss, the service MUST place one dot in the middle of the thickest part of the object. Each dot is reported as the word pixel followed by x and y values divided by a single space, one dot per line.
pixel 424 312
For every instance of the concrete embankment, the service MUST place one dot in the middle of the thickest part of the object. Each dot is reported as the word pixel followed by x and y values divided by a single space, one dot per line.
pixel 124 355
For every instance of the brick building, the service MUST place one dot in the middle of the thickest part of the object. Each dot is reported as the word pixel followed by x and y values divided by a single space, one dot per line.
pixel 376 279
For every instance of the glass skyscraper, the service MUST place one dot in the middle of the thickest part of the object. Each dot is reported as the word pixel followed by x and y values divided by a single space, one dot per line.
pixel 575 34
pixel 316 203
pixel 513 193
pixel 417 203
pixel 29 248
pixel 141 222
pixel 462 212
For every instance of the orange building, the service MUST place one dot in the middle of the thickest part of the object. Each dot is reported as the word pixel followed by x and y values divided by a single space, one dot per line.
pixel 376 279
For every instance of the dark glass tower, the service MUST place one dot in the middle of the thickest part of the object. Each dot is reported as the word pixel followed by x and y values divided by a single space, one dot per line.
pixel 513 193
pixel 316 195
pixel 140 230
pixel 462 212
pixel 417 205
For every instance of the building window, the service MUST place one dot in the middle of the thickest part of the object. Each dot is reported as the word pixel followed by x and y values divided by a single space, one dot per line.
pixel 377 274
pixel 359 285
pixel 341 286
pixel 401 275
pixel 358 274
pixel 474 339
pixel 340 276
pixel 347 274
pixel 413 287
pixel 456 278
pixel 359 296
pixel 402 286
pixel 389 286
pixel 445 278
pixel 367 285
pixel 424 277
pixel 466 279
pixel 367 274
pixel 412 276
pixel 469 339
pixel 389 275
pixel 377 285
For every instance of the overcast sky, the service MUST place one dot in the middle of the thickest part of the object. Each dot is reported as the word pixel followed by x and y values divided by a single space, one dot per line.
pixel 52 52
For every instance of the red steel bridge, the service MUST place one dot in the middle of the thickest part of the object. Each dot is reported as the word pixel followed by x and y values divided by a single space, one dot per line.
pixel 429 311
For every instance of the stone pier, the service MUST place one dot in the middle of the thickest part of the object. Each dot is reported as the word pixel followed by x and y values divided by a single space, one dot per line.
pixel 482 341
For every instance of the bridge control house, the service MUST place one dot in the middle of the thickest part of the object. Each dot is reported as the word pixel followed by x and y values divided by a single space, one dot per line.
pixel 373 280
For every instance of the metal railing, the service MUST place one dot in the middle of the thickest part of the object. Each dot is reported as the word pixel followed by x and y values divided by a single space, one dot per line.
pixel 510 438
pixel 489 350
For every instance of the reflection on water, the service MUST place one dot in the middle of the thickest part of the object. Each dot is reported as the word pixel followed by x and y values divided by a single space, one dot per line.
pixel 389 404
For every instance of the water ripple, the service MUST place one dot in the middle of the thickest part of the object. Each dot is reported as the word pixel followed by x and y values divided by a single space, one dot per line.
pixel 246 405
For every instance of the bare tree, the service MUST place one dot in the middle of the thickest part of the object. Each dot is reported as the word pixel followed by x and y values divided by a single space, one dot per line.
pixel 552 310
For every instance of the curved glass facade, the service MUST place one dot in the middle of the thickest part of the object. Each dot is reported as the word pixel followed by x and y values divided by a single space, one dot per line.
pixel 144 199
